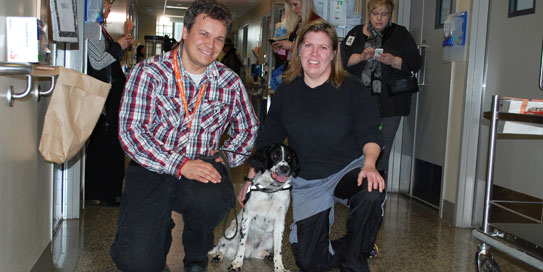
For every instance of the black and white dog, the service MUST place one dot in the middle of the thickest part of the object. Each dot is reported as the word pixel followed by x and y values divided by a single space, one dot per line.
pixel 262 220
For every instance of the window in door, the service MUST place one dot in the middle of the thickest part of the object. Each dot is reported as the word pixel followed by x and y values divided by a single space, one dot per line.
pixel 521 7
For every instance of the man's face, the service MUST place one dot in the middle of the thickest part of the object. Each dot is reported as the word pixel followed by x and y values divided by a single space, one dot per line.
pixel 203 44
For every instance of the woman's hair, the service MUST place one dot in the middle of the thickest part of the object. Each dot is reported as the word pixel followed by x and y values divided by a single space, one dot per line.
pixel 295 69
pixel 373 4
pixel 211 8
pixel 291 19
pixel 308 9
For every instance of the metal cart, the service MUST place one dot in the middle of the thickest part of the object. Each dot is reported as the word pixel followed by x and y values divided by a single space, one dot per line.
pixel 520 240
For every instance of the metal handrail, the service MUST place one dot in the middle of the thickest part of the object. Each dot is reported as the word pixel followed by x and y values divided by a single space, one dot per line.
pixel 29 70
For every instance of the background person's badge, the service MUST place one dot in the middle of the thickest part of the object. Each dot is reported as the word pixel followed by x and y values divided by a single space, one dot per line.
pixel 350 40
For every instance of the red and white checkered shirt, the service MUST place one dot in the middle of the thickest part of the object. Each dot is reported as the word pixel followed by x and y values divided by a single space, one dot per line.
pixel 153 128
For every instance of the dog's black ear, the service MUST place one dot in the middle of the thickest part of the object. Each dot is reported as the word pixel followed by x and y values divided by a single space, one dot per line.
pixel 295 164
pixel 259 159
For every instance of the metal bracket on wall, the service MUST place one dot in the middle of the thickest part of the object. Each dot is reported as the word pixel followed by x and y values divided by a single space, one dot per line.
pixel 30 71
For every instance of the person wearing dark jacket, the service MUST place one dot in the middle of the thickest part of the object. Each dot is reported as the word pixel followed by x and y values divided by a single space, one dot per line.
pixel 398 60
pixel 104 168
pixel 231 58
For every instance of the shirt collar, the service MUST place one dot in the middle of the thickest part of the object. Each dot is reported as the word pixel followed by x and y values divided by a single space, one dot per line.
pixel 212 71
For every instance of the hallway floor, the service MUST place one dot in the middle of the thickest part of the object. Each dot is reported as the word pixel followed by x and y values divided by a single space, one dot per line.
pixel 412 238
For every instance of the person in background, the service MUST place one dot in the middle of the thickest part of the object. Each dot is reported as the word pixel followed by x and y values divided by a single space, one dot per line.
pixel 297 14
pixel 231 58
pixel 399 59
pixel 104 167
pixel 332 122
pixel 167 43
pixel 140 53
pixel 175 108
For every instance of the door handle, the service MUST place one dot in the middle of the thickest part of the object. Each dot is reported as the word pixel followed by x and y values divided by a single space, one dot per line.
pixel 421 74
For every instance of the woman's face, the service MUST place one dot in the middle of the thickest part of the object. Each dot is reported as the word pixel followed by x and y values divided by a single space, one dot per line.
pixel 316 54
pixel 107 9
pixel 296 6
pixel 379 17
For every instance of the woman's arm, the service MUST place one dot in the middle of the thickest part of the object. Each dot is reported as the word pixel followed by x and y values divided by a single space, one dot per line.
pixel 375 181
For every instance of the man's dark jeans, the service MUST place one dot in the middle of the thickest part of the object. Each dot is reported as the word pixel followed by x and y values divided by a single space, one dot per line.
pixel 144 225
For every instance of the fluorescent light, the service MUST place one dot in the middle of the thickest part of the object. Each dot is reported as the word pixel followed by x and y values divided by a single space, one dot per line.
pixel 176 7
pixel 164 20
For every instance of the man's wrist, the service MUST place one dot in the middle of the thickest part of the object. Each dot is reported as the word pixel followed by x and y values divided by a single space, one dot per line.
pixel 178 175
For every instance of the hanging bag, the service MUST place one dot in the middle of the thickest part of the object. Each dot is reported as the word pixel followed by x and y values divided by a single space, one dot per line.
pixel 73 111
pixel 404 85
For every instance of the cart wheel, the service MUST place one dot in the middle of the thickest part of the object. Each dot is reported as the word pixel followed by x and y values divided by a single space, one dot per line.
pixel 374 251
pixel 486 263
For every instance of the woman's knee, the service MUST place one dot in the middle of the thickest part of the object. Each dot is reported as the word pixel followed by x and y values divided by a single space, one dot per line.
pixel 372 198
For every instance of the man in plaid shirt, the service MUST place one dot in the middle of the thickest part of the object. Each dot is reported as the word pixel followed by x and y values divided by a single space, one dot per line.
pixel 175 108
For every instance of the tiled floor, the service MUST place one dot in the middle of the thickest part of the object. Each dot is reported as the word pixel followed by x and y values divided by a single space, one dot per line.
pixel 412 238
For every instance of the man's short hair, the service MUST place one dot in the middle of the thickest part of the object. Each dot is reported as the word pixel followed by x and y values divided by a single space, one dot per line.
pixel 213 9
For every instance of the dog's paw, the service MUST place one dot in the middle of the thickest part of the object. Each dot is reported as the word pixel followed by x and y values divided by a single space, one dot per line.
pixel 281 270
pixel 234 268
pixel 216 258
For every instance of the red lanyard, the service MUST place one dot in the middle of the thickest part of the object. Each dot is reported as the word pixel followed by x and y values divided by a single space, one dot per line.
pixel 182 89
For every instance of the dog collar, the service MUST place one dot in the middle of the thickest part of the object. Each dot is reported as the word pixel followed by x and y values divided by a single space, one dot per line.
pixel 267 190
pixel 259 188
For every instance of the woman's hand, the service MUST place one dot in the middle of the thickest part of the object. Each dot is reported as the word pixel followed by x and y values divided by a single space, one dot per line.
pixel 283 44
pixel 367 54
pixel 389 59
pixel 125 41
pixel 355 59
pixel 243 192
pixel 375 181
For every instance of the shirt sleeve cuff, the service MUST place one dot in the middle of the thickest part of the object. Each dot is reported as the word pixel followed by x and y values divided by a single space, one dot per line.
pixel 174 165
pixel 178 173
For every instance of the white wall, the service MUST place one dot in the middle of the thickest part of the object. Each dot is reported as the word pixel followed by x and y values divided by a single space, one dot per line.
pixel 25 178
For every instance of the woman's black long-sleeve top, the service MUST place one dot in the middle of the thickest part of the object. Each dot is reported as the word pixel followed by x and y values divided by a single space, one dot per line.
pixel 326 126
pixel 398 42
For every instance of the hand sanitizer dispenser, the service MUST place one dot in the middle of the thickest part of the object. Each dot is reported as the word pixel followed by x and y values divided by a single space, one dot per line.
pixel 454 29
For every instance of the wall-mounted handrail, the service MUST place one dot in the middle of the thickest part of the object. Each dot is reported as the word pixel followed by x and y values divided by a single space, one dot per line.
pixel 29 70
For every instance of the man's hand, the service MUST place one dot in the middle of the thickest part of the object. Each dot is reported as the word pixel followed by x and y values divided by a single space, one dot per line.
pixel 201 171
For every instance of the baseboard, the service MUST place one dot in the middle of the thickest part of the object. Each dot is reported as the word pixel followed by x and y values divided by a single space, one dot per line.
pixel 447 209
pixel 45 261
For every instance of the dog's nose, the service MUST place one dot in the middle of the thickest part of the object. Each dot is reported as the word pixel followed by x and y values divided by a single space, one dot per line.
pixel 284 169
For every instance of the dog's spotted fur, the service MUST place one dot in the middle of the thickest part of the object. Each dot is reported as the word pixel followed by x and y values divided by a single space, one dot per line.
pixel 262 221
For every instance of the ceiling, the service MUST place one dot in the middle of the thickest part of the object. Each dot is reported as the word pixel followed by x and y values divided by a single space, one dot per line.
pixel 156 7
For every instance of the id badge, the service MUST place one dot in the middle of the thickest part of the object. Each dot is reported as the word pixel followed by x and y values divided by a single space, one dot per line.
pixel 349 41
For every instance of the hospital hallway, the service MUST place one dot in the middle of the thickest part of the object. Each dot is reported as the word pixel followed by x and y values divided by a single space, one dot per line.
pixel 412 238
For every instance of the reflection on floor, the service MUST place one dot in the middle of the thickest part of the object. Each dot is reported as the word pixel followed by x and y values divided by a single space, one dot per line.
pixel 412 238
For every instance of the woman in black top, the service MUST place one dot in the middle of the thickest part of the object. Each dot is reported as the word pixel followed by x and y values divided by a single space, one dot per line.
pixel 332 123
pixel 399 59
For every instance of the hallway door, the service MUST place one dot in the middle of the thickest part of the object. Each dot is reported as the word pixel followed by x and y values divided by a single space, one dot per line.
pixel 425 129
pixel 513 68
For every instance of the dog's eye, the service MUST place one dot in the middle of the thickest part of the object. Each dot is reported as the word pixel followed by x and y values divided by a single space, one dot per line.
pixel 289 157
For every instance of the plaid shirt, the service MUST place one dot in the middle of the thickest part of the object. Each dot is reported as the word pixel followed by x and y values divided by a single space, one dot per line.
pixel 153 128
